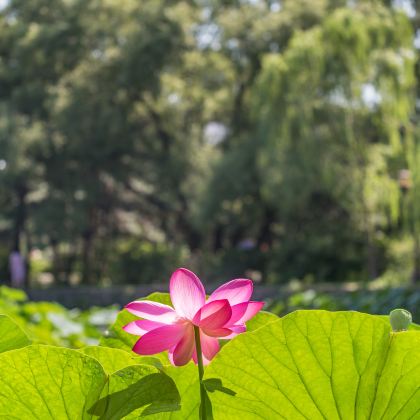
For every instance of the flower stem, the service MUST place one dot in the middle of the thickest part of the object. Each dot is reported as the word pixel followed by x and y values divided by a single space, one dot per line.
pixel 203 413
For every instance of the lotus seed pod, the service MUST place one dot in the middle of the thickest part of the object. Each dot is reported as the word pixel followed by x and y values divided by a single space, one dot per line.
pixel 400 319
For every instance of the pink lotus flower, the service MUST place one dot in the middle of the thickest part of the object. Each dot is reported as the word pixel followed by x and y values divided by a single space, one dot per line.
pixel 222 316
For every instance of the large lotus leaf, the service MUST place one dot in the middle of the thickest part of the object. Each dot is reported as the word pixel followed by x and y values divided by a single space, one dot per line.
pixel 136 391
pixel 415 327
pixel 186 379
pixel 262 318
pixel 319 365
pixel 11 335
pixel 310 364
pixel 45 382
pixel 115 359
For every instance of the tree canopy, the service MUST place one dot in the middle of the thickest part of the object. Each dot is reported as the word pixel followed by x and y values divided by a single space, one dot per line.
pixel 277 137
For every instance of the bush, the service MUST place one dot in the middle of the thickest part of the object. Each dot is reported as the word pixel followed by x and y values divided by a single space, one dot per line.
pixel 136 262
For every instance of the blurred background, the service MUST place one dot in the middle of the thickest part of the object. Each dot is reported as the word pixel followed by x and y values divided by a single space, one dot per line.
pixel 276 140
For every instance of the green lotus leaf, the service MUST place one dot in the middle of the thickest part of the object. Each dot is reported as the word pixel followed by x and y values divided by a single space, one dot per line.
pixel 319 365
pixel 11 335
pixel 136 391
pixel 116 359
pixel 45 382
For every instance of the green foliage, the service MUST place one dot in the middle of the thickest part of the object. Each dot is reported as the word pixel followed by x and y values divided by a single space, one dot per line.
pixel 308 364
pixel 49 383
pixel 12 337
pixel 330 122
pixel 187 382
pixel 132 389
pixel 135 135
pixel 135 262
pixel 319 365
pixel 51 323
pixel 108 166
pixel 369 301
pixel 113 359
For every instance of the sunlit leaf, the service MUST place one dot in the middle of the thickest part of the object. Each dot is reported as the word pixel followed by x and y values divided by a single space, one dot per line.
pixel 11 335
pixel 259 320
pixel 115 359
pixel 186 379
pixel 135 391
pixel 317 364
pixel 45 382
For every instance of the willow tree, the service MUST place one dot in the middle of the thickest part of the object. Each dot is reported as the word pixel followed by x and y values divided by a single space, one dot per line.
pixel 329 112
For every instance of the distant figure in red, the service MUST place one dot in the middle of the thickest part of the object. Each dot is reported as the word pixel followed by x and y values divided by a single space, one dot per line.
pixel 17 269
